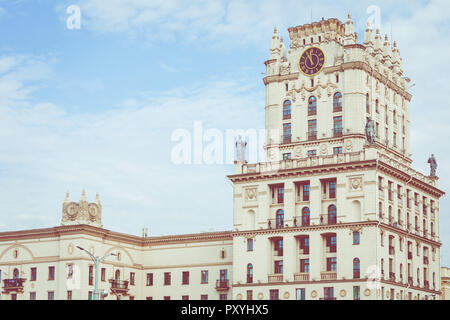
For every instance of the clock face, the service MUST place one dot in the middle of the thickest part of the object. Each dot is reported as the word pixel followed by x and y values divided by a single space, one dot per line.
pixel 72 209
pixel 311 61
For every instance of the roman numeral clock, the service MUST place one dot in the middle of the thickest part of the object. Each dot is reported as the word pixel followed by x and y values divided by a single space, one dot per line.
pixel 312 61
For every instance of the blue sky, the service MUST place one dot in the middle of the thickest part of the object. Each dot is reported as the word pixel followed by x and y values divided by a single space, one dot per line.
pixel 94 108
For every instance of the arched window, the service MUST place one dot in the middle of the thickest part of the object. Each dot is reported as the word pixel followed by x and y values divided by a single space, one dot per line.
pixel 287 110
pixel 367 103
pixel 16 273
pixel 332 214
pixel 249 273
pixel 337 102
pixel 305 216
pixel 356 268
pixel 280 219
pixel 312 106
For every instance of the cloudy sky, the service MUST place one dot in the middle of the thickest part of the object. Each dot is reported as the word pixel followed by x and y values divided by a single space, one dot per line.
pixel 95 107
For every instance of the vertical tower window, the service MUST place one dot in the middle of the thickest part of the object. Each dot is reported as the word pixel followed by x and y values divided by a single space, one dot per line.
pixel 312 105
pixel 337 102
pixel 287 109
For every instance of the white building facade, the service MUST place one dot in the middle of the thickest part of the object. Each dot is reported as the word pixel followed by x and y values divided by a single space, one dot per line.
pixel 336 212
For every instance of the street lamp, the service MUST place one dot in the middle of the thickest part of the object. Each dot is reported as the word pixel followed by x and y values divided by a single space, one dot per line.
pixel 97 261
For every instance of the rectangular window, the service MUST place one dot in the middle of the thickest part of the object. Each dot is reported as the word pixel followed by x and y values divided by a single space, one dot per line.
pixel 132 278
pixel 279 266
pixel 204 276
pixel 89 295
pixel 287 156
pixel 337 150
pixel 103 274
pixel 304 265
pixel 312 129
pixel 167 278
pixel 184 297
pixel 306 192
pixel 51 295
pixel 69 295
pixel 328 293
pixel 185 277
pixel 223 296
pixel 131 297
pixel 166 297
pixel 355 237
pixel 204 297
pixel 249 294
pixel 356 293
pixel 148 298
pixel 51 273
pixel 337 126
pixel 91 275
pixel 332 187
pixel 311 153
pixel 149 279
pixel 274 294
pixel 287 133
pixel 32 295
pixel 280 194
pixel 249 244
pixel 33 276
pixel 331 264
pixel 300 293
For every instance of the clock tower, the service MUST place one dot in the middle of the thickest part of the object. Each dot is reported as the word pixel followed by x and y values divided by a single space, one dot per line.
pixel 82 212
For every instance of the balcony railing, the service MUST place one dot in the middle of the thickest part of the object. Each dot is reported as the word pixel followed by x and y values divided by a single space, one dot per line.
pixel 118 286
pixel 337 132
pixel 16 285
pixel 277 277
pixel 328 219
pixel 223 285
pixel 302 276
pixel 328 275
pixel 312 135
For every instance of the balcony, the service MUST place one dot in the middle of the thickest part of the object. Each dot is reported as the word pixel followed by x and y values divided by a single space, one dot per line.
pixel 276 224
pixel 13 285
pixel 223 285
pixel 328 275
pixel 119 287
pixel 277 277
pixel 302 276
pixel 327 219
pixel 312 135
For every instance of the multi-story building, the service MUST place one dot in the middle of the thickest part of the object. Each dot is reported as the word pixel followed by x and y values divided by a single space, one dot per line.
pixel 332 214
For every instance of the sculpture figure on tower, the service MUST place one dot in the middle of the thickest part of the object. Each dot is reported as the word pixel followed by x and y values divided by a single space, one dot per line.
pixel 433 165
pixel 370 131
pixel 240 149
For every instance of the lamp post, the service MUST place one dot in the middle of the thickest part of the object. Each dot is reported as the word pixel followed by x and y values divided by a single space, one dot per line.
pixel 97 261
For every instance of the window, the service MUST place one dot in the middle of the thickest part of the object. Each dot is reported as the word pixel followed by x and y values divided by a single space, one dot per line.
pixel 312 153
pixel 69 295
pixel 249 244
pixel 167 278
pixel 274 294
pixel 337 150
pixel 304 265
pixel 331 242
pixel 249 273
pixel 287 133
pixel 280 218
pixel 287 109
pixel 305 216
pixel 132 278
pixel 300 293
pixel 166 297
pixel 51 273
pixel 184 297
pixel 355 237
pixel 204 297
pixel 367 103
pixel 223 296
pixel 356 293
pixel 103 274
pixel 33 274
pixel 337 102
pixel 356 268
pixel 287 156
pixel 331 264
pixel 306 192
pixel 332 190
pixel 376 106
pixel 149 279
pixel 249 294
pixel 91 275
pixel 337 126
pixel 32 295
pixel 304 244
pixel 90 295
pixel 204 276
pixel 185 277
pixel 332 214
pixel 279 267
pixel 337 78
pixel 148 298
pixel 312 106
pixel 328 293
pixel 312 129
pixel 51 295
pixel 277 194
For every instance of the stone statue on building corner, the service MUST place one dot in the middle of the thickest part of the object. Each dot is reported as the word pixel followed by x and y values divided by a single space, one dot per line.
pixel 370 131
pixel 433 165
pixel 240 149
